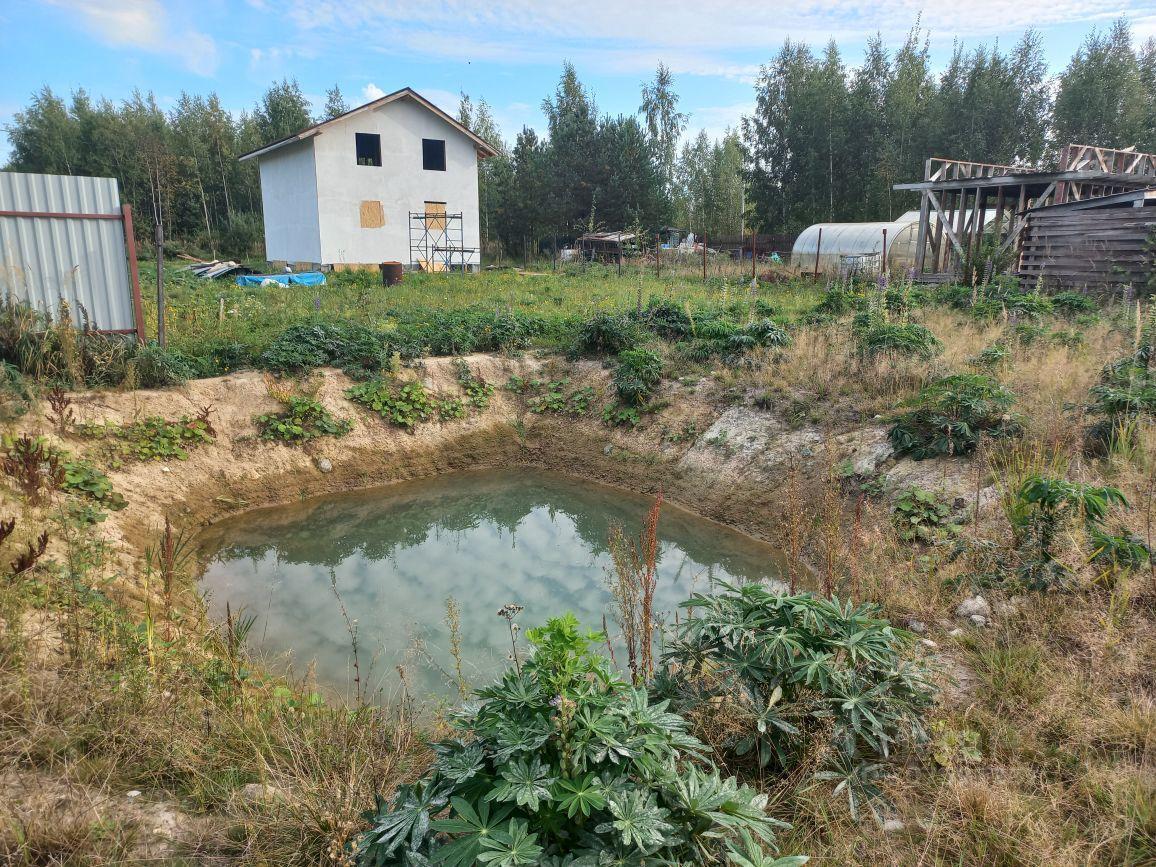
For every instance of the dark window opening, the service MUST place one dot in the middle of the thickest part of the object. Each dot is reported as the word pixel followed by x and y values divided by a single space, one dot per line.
pixel 433 154
pixel 368 149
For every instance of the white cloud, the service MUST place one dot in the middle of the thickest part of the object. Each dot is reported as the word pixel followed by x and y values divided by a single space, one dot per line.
pixel 446 100
pixel 147 26
pixel 715 120
pixel 699 37
pixel 371 92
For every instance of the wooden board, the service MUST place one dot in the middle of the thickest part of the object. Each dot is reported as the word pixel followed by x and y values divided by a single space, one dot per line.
pixel 435 213
pixel 372 214
pixel 1091 250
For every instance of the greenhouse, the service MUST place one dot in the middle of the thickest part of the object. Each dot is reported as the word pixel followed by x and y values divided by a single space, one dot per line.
pixel 857 248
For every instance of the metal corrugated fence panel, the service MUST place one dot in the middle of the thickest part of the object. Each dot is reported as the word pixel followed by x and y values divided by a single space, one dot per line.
pixel 45 260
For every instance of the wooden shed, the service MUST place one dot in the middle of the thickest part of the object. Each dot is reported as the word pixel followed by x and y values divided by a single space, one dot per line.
pixel 1095 244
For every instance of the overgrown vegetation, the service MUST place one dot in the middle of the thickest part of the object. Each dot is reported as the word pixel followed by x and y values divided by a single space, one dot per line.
pixel 805 682
pixel 151 438
pixel 950 416
pixel 304 418
pixel 563 762
pixel 1040 745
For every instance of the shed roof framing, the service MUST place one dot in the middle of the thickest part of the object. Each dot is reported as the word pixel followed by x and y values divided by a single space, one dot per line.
pixel 954 193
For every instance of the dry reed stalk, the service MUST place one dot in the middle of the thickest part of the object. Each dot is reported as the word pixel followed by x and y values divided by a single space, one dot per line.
pixel 632 585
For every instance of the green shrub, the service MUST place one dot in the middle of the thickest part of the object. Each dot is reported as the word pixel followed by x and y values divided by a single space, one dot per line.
pixel 1124 397
pixel 219 357
pixel 81 477
pixel 950 415
pixel 556 398
pixel 876 337
pixel 303 419
pixel 359 350
pixel 241 237
pixel 1028 304
pixel 668 320
pixel 620 416
pixel 990 357
pixel 16 394
pixel 696 350
pixel 158 367
pixel 764 332
pixel 152 438
pixel 405 406
pixel 837 300
pixel 436 331
pixel 802 677
pixel 478 391
pixel 920 516
pixel 637 375
pixel 608 334
pixel 563 762
pixel 1071 304
pixel 1040 507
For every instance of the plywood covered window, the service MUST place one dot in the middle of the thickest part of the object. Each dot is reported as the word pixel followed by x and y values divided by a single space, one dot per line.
pixel 433 154
pixel 435 216
pixel 368 149
pixel 372 214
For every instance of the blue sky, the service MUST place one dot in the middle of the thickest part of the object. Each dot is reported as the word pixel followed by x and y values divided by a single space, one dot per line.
pixel 508 51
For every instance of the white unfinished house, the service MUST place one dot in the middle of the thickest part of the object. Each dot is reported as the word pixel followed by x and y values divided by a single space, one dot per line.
pixel 394 180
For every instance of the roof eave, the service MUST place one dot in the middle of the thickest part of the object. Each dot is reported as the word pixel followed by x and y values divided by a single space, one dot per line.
pixel 481 146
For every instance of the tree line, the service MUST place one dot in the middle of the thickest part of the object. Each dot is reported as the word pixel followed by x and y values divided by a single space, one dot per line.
pixel 825 142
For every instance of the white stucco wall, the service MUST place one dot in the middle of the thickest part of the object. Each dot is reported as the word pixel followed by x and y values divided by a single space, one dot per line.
pixel 400 183
pixel 289 204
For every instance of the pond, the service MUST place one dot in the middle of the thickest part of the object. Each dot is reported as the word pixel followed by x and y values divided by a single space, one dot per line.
pixel 396 555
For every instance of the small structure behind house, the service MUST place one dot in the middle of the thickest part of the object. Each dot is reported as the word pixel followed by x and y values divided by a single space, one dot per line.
pixel 1096 244
pixel 68 238
pixel 950 236
pixel 606 246
pixel 394 180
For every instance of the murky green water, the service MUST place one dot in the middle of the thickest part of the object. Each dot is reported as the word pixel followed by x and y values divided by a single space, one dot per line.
pixel 485 538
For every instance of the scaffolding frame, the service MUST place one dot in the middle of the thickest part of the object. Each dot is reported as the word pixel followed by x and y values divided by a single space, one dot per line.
pixel 437 242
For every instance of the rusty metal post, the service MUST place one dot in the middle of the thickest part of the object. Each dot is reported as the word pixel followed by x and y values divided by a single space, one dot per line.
pixel 657 256
pixel 133 271
pixel 818 246
pixel 883 261
pixel 704 258
pixel 754 255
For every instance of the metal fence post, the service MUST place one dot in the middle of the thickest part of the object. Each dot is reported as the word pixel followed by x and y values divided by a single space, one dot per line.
pixel 133 271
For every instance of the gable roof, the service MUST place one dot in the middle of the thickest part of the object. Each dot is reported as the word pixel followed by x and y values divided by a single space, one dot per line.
pixel 485 149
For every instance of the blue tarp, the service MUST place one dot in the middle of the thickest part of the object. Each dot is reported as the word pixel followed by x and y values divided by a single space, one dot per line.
pixel 305 278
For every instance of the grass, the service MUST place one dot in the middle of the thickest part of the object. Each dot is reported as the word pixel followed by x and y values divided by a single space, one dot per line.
pixel 101 697
pixel 254 315
pixel 1058 694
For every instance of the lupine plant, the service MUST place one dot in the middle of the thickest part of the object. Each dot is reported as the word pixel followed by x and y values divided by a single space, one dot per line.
pixel 950 416
pixel 562 762
pixel 801 676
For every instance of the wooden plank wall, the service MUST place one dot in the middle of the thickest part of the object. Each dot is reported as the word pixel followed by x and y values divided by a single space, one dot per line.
pixel 1093 250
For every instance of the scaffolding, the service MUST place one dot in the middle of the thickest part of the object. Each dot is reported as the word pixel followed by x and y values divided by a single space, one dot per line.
pixel 437 242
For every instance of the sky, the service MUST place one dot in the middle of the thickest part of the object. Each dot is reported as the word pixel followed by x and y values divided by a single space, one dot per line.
pixel 508 51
